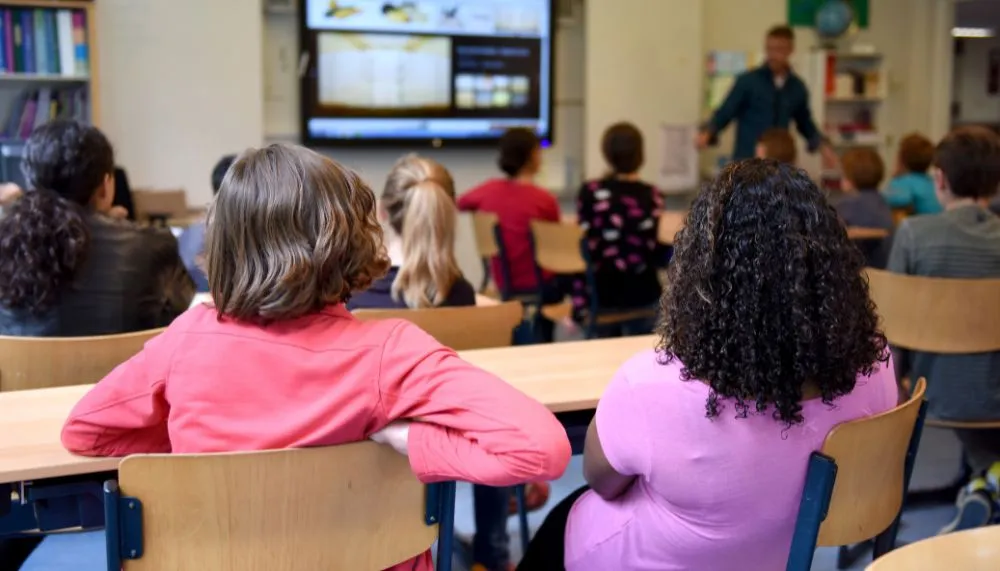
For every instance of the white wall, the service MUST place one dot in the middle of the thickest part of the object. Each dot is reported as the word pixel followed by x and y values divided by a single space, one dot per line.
pixel 180 86
pixel 975 104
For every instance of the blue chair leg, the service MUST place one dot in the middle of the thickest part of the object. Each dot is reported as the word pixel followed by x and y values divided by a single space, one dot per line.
pixel 813 507
pixel 522 516
pixel 886 541
pixel 112 526
pixel 446 526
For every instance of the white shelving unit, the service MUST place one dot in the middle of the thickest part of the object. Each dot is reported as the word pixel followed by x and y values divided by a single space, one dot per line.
pixel 848 91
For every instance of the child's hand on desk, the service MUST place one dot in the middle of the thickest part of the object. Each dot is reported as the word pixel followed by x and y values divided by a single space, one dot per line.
pixel 396 434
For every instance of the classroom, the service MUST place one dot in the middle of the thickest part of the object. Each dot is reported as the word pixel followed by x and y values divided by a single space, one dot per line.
pixel 498 285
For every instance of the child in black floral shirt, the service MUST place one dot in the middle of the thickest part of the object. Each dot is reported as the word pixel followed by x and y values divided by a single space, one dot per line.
pixel 619 215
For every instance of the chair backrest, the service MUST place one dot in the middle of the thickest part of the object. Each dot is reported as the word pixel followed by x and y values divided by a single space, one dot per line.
pixel 42 362
pixel 483 224
pixel 557 247
pixel 461 328
pixel 169 203
pixel 938 315
pixel 870 454
pixel 972 550
pixel 355 506
pixel 861 233
pixel 671 222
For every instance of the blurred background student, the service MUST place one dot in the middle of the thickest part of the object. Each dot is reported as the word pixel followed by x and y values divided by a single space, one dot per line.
pixel 191 242
pixel 777 143
pixel 912 187
pixel 619 215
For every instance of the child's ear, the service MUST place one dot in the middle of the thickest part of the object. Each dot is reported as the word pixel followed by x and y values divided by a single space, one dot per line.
pixel 760 151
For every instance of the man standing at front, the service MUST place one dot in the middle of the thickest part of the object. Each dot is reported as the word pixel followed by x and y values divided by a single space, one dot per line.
pixel 766 97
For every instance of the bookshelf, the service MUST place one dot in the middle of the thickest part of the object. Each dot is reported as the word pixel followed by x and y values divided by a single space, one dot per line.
pixel 48 64
pixel 848 91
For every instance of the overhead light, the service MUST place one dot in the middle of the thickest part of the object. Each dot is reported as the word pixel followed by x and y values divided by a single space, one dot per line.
pixel 973 32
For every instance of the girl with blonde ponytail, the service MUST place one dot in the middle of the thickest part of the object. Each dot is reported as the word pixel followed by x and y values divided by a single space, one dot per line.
pixel 418 206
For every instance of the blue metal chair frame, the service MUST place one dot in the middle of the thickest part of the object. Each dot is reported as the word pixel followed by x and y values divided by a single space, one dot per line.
pixel 123 523
pixel 820 478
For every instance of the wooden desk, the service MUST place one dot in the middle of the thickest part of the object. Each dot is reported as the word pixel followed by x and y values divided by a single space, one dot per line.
pixel 565 377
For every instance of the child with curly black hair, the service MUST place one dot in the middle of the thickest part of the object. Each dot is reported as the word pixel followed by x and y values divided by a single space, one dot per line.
pixel 768 340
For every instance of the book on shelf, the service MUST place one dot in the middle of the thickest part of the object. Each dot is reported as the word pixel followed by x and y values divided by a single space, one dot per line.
pixel 45 41
pixel 35 107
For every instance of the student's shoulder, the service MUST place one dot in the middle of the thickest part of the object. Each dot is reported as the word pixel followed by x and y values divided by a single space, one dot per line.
pixel 651 367
pixel 462 293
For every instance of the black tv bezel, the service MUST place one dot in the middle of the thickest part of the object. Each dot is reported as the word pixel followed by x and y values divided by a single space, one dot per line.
pixel 421 142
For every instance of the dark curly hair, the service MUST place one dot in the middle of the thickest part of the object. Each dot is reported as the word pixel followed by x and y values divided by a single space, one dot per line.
pixel 43 243
pixel 69 158
pixel 766 296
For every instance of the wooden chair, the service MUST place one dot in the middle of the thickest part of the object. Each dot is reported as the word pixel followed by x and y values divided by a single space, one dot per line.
pixel 461 328
pixel 972 550
pixel 855 485
pixel 159 206
pixel 43 362
pixel 939 315
pixel 559 249
pixel 352 507
pixel 670 223
pixel 484 226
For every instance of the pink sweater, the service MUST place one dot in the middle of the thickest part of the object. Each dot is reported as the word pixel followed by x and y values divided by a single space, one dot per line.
pixel 210 385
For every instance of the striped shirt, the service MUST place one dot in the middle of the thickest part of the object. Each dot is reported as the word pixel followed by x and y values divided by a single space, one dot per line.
pixel 960 243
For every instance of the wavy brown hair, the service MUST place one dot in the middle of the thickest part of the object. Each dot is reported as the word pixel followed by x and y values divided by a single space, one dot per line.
pixel 766 296
pixel 290 232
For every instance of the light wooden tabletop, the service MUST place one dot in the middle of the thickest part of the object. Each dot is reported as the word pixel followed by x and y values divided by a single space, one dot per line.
pixel 563 376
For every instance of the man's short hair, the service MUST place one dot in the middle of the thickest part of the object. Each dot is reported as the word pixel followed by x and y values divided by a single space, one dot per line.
pixel 782 32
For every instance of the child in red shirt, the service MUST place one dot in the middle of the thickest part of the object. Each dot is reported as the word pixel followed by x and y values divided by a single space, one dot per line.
pixel 516 201
pixel 279 362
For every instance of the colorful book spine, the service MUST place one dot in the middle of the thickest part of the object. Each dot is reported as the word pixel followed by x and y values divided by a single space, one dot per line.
pixel 67 57
pixel 80 42
pixel 4 66
pixel 8 38
pixel 18 43
pixel 41 42
pixel 28 117
pixel 28 35
pixel 51 40
pixel 42 112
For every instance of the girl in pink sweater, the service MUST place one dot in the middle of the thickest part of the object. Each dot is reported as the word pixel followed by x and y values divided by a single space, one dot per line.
pixel 279 362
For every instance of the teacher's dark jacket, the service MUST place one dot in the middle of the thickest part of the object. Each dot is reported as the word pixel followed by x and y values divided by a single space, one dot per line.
pixel 757 105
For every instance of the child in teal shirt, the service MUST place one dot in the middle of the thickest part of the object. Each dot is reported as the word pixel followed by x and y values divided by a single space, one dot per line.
pixel 912 187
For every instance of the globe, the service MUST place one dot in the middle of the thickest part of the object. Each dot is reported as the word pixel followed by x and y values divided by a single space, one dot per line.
pixel 833 18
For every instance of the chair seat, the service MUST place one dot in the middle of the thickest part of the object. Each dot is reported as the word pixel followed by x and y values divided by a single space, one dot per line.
pixel 557 311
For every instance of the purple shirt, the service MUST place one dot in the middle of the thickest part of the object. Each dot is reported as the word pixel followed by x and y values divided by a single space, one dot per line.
pixel 720 493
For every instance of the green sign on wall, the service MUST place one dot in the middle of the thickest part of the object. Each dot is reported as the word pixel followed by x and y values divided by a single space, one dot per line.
pixel 803 12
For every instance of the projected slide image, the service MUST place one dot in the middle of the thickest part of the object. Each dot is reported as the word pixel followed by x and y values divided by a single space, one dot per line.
pixel 382 74
pixel 491 91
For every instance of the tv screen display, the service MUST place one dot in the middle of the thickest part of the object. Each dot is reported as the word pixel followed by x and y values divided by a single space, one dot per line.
pixel 435 71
